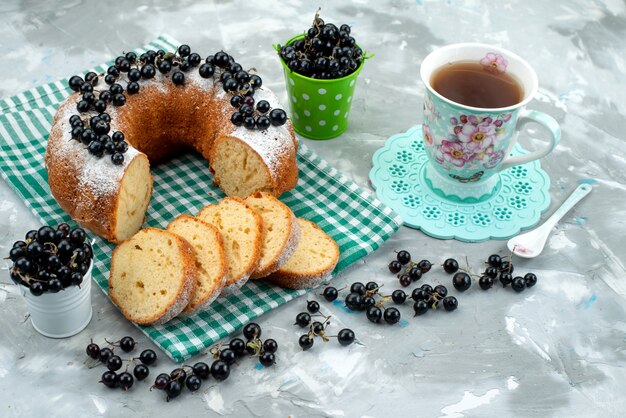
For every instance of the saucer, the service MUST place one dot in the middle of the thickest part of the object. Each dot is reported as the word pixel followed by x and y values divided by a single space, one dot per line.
pixel 399 176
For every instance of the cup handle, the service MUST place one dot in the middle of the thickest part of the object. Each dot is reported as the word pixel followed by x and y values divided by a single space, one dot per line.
pixel 544 120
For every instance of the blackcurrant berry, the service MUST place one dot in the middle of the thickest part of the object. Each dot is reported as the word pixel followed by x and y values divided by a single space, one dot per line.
pixel 354 301
pixel 119 99
pixel 317 328
pixel 391 315
pixel 105 354
pixel 494 260
pixel 252 331
pixel 148 71
pixel 312 306
pixel 415 273
pixel 485 282
pixel 117 158
pixel 346 336
pixel 256 81
pixel 405 280
pixel 267 359
pixel 262 122
pixel 492 272
pixel 178 374
pixel 132 87
pixel 220 370
pixel 305 342
pixel 148 357
pixel 518 284
pixel 424 266
pixel 330 294
pixel 55 285
pixel 420 307
pixel 368 301
pixel 395 266
pixel 173 388
pixel 206 70
pixel 398 296
pixel 420 294
pixel 93 350
pixel 127 344
pixel 109 379
pixel 461 281
pixel 270 346
pixel 441 290
pixel 263 106
pixel 37 288
pixel 450 303
pixel 374 314
pixel 238 346
pixel 75 82
pixel 141 371
pixel 506 267
pixel 249 122
pixel 228 356
pixel 202 369
pixel 193 383
pixel 114 363
pixel 278 117
pixel 530 279
pixel 303 319
pixel 450 266
pixel 178 78
pixel 184 50
pixel 506 279
pixel 358 287
pixel 403 257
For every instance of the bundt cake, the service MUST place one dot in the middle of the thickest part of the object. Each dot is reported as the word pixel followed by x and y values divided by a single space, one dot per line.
pixel 149 108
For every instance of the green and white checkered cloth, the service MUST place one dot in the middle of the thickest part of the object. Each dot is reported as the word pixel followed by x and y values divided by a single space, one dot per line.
pixel 358 222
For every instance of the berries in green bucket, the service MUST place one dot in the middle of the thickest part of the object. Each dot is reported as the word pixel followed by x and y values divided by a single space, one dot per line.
pixel 326 52
pixel 321 67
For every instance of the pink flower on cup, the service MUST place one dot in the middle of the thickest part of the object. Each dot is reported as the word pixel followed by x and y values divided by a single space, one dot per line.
pixel 452 152
pixel 494 62
pixel 477 136
pixel 428 138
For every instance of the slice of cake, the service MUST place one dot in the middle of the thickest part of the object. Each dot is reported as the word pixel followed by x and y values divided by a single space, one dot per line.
pixel 314 259
pixel 281 232
pixel 153 276
pixel 208 246
pixel 241 228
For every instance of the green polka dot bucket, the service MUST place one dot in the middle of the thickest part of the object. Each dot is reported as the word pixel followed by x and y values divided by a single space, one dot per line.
pixel 320 109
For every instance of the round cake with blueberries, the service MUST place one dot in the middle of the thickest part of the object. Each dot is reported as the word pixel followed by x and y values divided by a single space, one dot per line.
pixel 149 108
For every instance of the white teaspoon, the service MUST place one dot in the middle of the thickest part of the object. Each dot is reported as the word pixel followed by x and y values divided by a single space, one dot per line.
pixel 530 244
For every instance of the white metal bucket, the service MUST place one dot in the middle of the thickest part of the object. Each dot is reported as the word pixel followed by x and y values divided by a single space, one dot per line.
pixel 61 314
